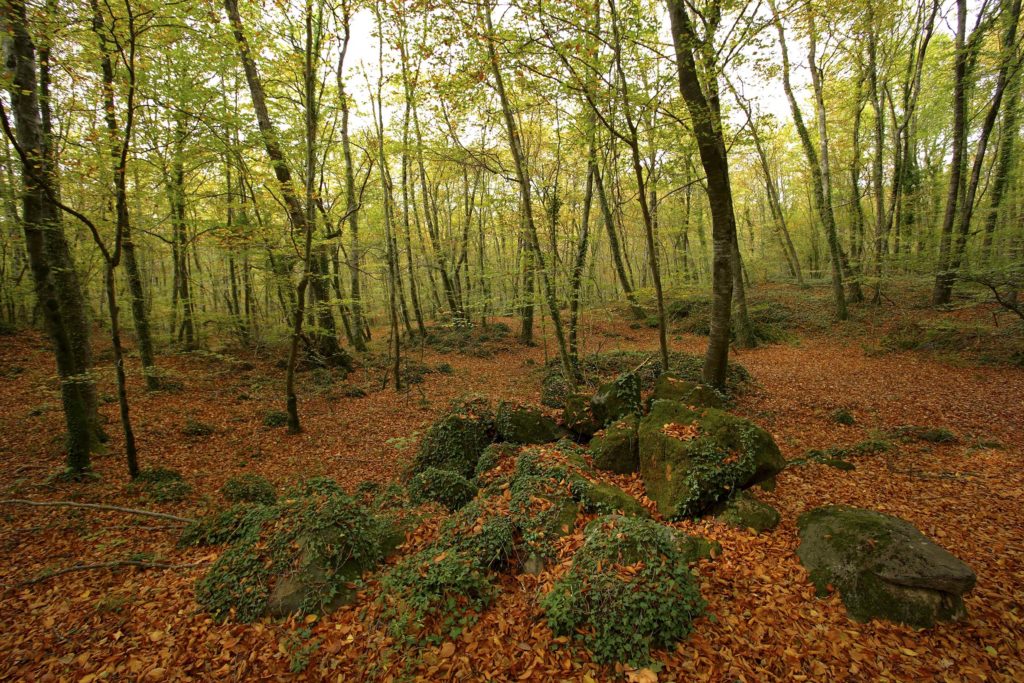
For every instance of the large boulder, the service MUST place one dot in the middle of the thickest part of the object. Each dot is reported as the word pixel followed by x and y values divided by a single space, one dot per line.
pixel 616 399
pixel 882 566
pixel 616 449
pixel 525 425
pixel 692 458
pixel 456 441
pixel 669 387
pixel 577 417
pixel 744 511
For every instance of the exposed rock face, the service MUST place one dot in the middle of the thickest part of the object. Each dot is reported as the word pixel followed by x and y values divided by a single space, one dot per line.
pixel 670 387
pixel 883 566
pixel 616 449
pixel 616 399
pixel 525 425
pixel 747 512
pixel 692 458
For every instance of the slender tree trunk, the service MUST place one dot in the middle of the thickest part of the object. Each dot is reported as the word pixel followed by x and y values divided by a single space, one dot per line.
pixel 713 156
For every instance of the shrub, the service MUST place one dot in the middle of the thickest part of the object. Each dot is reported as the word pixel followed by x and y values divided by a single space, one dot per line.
pixel 275 418
pixel 249 488
pixel 843 416
pixel 441 486
pixel 194 427
pixel 162 485
pixel 629 590
pixel 223 526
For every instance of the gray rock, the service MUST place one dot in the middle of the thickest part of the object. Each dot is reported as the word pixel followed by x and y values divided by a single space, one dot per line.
pixel 883 566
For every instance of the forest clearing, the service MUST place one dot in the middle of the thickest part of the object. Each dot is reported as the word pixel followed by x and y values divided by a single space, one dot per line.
pixel 511 340
pixel 762 622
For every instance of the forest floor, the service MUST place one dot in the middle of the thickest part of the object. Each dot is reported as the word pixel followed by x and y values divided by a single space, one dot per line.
pixel 763 621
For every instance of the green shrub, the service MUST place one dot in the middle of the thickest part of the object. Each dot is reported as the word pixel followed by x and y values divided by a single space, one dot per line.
pixel 275 418
pixel 194 427
pixel 843 416
pixel 162 485
pixel 249 488
pixel 449 488
pixel 224 526
pixel 629 590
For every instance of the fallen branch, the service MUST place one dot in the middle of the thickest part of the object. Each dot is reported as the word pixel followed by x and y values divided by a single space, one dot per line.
pixel 109 565
pixel 96 506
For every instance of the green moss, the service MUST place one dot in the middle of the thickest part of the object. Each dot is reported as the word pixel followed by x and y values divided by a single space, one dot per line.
pixel 493 456
pixel 930 434
pixel 249 488
pixel 441 486
pixel 744 511
pixel 487 537
pixel 843 416
pixel 616 399
pixel 616 449
pixel 605 499
pixel 525 425
pixel 671 387
pixel 620 615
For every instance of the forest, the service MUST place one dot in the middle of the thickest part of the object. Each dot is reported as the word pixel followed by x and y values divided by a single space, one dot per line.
pixel 511 340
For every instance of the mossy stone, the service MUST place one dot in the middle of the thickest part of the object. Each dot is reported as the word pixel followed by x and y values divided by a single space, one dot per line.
pixel 669 387
pixel 693 458
pixel 883 566
pixel 616 399
pixel 577 417
pixel 747 512
pixel 606 499
pixel 616 449
pixel 525 425
pixel 455 443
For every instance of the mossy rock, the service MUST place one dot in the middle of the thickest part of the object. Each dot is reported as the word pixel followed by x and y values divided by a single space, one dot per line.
pixel 670 387
pixel 448 488
pixel 578 418
pixel 299 555
pixel 493 456
pixel 616 399
pixel 541 507
pixel 691 459
pixel 617 448
pixel 525 425
pixel 456 441
pixel 605 499
pixel 621 616
pixel 744 511
pixel 882 566
pixel 487 537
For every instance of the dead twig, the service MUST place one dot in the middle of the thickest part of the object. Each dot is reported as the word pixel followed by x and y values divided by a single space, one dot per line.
pixel 96 506
pixel 142 564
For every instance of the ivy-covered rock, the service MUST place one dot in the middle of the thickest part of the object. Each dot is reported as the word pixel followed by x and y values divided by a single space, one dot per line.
pixel 882 566
pixel 525 425
pixel 488 537
pixel 456 441
pixel 747 512
pixel 629 590
pixel 617 448
pixel 448 488
pixel 616 399
pixel 691 459
pixel 605 499
pixel 249 488
pixel 491 458
pixel 669 387
pixel 299 555
pixel 578 418
pixel 541 507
